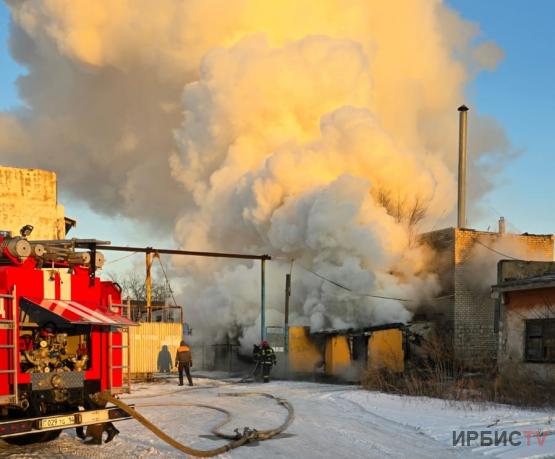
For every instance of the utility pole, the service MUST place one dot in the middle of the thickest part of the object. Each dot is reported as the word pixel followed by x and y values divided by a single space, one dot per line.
pixel 263 299
pixel 287 296
pixel 148 283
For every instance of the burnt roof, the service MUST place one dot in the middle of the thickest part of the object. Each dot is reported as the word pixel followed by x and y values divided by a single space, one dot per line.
pixel 358 331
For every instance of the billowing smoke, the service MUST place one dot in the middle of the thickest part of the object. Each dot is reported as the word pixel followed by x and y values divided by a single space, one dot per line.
pixel 480 268
pixel 320 132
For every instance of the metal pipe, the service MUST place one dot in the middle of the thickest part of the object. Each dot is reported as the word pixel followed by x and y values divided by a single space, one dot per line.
pixel 286 312
pixel 263 299
pixel 262 258
pixel 461 207
pixel 69 243
pixel 115 248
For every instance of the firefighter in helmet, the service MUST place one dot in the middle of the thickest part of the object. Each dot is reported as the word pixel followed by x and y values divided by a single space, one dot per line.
pixel 267 360
pixel 184 362
pixel 256 359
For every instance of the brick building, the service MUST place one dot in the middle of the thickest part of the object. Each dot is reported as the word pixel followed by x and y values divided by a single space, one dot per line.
pixel 30 196
pixel 466 264
pixel 525 295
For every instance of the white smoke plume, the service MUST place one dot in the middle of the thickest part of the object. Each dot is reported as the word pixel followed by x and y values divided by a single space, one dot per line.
pixel 481 260
pixel 323 132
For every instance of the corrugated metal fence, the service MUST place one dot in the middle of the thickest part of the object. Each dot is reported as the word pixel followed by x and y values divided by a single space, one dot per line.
pixel 147 345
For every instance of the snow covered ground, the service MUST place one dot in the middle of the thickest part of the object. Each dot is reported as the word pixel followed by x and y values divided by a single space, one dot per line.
pixel 330 421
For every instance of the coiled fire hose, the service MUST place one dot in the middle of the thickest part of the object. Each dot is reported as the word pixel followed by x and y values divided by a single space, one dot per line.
pixel 236 440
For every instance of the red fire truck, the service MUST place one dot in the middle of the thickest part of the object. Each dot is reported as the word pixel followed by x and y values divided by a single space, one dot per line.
pixel 63 338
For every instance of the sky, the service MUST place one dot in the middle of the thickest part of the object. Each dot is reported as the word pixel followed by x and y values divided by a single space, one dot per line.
pixel 119 230
pixel 520 94
pixel 9 70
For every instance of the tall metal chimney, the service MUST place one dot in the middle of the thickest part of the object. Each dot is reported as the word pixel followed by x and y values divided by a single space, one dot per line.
pixel 501 225
pixel 461 215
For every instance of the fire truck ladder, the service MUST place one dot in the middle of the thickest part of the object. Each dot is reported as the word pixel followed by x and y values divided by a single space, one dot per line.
pixel 125 366
pixel 10 325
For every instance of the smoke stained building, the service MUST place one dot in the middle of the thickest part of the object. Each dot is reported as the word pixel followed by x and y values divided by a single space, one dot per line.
pixel 467 268
pixel 525 299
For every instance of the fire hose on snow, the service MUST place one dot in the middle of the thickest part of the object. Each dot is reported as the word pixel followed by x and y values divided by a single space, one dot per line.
pixel 235 441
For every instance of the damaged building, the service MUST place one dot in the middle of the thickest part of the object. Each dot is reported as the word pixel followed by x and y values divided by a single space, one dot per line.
pixel 525 300
pixel 347 353
pixel 466 264
pixel 464 315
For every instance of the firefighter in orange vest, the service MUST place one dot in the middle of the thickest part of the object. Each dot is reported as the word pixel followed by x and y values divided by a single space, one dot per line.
pixel 184 361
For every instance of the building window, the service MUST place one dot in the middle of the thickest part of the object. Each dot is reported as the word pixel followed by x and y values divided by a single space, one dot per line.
pixel 540 340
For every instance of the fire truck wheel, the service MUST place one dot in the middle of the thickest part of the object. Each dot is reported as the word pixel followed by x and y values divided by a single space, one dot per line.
pixel 41 437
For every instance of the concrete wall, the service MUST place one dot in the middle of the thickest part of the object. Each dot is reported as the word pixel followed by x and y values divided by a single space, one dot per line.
pixel 29 196
pixel 467 267
pixel 520 306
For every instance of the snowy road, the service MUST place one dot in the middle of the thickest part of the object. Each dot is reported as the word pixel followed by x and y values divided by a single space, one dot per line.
pixel 330 421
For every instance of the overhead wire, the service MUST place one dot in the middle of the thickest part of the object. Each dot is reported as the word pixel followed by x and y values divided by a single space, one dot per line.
pixel 320 276
pixel 294 262
pixel 343 287
pixel 120 258
pixel 167 280
pixel 383 297
pixel 500 215
pixel 497 251
pixel 437 220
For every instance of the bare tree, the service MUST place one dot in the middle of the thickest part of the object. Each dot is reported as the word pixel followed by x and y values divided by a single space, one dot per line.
pixel 403 209
pixel 133 285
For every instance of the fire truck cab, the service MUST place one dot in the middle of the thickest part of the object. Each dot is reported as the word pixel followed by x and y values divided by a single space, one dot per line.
pixel 63 339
